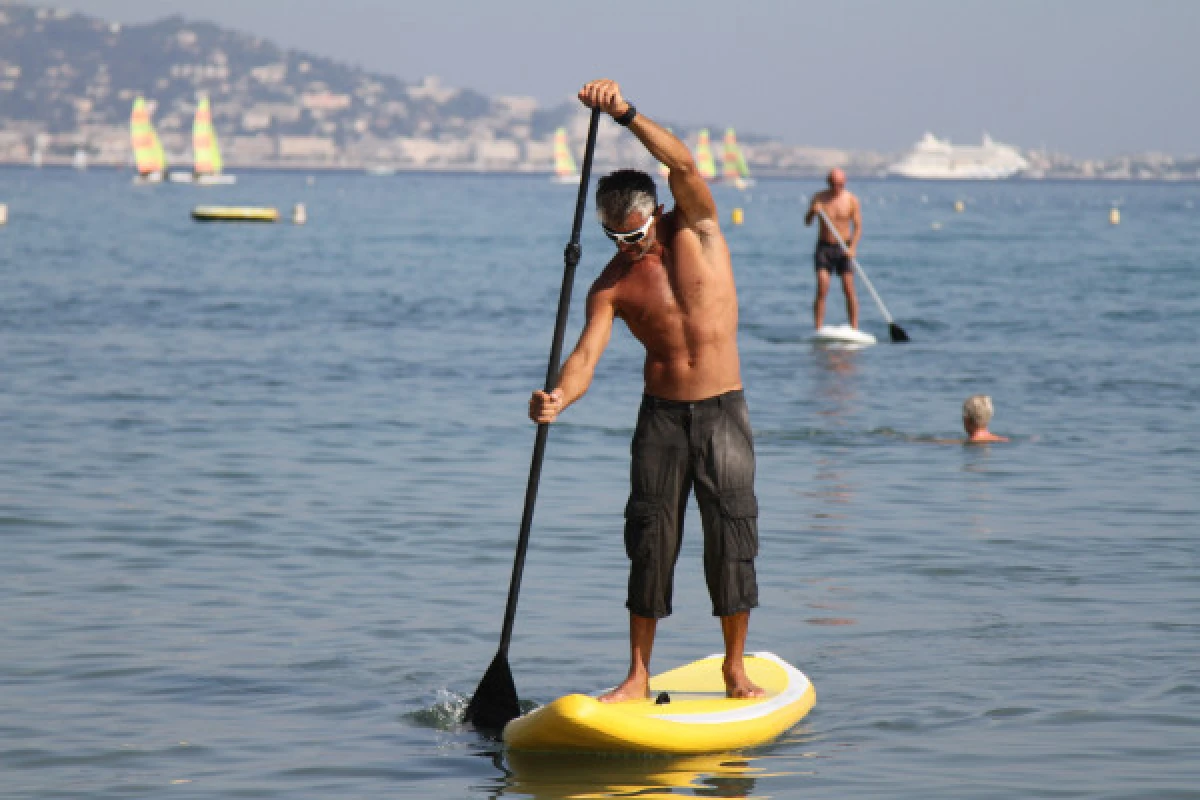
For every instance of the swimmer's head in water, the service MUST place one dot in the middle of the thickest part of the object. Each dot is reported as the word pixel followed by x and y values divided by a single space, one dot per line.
pixel 977 412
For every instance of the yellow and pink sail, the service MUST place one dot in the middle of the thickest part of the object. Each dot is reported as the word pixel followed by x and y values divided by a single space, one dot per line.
pixel 564 163
pixel 733 161
pixel 147 149
pixel 205 152
pixel 704 156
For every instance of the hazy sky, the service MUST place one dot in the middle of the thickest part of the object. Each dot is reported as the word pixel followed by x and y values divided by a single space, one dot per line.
pixel 1086 77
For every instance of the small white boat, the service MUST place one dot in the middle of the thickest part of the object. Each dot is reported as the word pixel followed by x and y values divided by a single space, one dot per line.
pixel 936 159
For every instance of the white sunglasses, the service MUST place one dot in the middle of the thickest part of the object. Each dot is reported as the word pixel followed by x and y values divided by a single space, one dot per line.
pixel 629 237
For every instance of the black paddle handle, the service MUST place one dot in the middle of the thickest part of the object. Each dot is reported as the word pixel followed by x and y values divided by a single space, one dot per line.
pixel 571 257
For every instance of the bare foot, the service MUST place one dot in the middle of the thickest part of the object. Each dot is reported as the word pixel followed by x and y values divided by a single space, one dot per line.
pixel 739 685
pixel 632 688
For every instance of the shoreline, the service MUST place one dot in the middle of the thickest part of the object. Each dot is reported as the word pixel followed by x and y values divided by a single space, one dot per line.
pixel 769 175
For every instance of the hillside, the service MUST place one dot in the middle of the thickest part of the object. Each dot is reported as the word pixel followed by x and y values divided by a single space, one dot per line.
pixel 67 81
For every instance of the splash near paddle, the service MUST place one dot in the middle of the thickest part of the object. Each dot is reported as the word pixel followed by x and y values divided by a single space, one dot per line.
pixel 687 713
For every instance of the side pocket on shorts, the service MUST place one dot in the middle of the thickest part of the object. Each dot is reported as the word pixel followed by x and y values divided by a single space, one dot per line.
pixel 642 521
pixel 739 517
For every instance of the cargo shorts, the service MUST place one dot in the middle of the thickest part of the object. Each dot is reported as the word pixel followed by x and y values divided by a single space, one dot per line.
pixel 708 446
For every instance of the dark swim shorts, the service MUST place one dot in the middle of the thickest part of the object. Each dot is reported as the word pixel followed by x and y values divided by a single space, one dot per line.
pixel 678 446
pixel 830 256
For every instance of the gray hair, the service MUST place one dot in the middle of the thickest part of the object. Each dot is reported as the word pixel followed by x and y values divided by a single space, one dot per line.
pixel 620 193
pixel 978 410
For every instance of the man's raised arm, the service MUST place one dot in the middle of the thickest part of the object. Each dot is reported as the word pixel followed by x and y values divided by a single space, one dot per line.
pixel 692 196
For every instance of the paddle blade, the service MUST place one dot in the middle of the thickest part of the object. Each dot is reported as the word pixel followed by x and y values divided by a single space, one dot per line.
pixel 495 701
pixel 898 334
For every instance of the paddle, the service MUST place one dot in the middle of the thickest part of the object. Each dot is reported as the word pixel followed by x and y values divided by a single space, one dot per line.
pixel 898 334
pixel 495 701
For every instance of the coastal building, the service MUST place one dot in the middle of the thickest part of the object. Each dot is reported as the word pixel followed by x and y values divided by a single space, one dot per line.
pixel 325 101
pixel 307 148
pixel 249 150
pixel 496 154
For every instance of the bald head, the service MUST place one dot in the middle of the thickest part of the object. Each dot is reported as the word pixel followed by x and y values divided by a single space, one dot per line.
pixel 836 179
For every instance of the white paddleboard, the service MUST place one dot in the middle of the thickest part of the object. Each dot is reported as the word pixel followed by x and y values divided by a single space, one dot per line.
pixel 843 334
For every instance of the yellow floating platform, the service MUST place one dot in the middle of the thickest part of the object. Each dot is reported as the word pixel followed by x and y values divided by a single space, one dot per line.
pixel 695 718
pixel 235 214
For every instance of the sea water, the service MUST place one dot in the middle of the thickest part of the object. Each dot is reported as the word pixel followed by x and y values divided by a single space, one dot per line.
pixel 260 488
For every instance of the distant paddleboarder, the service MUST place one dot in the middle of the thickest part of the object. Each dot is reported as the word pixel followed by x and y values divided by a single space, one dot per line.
pixel 671 281
pixel 829 259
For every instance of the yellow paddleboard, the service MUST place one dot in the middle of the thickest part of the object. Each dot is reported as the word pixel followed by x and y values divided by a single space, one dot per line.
pixel 697 717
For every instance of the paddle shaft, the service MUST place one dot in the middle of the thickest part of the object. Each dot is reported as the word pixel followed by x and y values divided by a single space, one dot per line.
pixel 571 258
pixel 858 267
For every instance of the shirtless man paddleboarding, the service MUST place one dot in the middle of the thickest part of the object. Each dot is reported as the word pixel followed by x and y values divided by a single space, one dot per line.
pixel 671 281
pixel 843 210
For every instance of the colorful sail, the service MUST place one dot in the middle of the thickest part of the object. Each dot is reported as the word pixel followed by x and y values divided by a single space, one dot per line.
pixel 564 163
pixel 734 167
pixel 147 149
pixel 206 154
pixel 704 157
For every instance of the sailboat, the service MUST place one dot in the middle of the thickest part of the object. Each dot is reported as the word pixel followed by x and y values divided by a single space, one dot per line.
pixel 734 170
pixel 564 163
pixel 704 157
pixel 205 152
pixel 147 149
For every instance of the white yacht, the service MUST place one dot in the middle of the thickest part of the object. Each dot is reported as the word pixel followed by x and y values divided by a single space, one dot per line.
pixel 936 159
